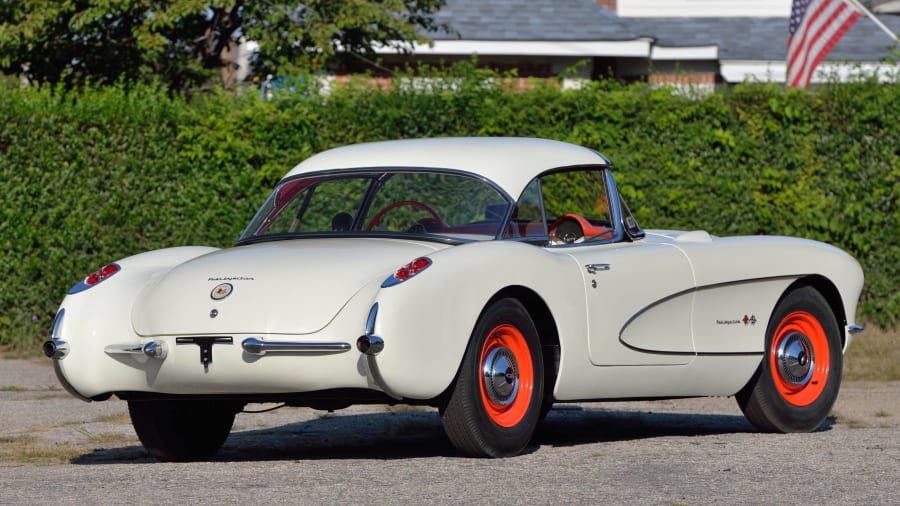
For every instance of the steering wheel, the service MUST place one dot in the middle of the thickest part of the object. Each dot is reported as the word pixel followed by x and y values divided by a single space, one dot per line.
pixel 570 228
pixel 566 228
pixel 376 220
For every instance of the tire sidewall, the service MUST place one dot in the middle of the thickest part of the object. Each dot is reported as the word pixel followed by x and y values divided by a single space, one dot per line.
pixel 785 416
pixel 182 430
pixel 492 439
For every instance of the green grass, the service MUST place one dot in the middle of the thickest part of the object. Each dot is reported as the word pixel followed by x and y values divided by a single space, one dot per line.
pixel 874 355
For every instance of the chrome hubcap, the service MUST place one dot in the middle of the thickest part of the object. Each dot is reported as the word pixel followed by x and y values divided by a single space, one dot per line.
pixel 501 376
pixel 795 358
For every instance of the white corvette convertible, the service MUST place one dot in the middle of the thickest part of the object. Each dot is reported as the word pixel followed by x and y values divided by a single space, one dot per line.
pixel 488 277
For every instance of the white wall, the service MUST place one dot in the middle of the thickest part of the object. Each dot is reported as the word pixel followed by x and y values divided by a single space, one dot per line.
pixel 703 8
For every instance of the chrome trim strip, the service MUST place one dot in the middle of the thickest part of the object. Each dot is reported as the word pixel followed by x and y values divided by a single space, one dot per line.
pixel 57 324
pixel 153 349
pixel 370 320
pixel 855 329
pixel 259 347
pixel 124 349
pixel 615 207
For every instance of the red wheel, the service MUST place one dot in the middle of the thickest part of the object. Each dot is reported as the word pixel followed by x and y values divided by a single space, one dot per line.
pixel 376 220
pixel 800 372
pixel 507 379
pixel 495 404
pixel 797 383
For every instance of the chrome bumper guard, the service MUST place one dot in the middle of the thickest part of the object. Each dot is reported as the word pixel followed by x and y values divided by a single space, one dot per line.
pixel 154 349
pixel 259 347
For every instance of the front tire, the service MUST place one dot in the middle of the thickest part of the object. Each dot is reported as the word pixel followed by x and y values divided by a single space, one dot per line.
pixel 798 380
pixel 182 431
pixel 495 404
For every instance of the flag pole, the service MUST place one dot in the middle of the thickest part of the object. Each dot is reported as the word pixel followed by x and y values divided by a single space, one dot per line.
pixel 867 12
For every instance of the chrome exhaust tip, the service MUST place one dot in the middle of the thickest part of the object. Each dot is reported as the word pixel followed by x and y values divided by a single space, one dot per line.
pixel 56 349
pixel 370 345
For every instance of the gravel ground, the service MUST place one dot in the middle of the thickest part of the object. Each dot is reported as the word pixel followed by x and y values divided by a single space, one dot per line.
pixel 57 449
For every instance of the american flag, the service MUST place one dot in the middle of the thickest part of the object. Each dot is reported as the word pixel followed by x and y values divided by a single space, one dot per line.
pixel 816 26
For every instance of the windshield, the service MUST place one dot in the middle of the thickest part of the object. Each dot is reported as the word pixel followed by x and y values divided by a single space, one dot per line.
pixel 400 202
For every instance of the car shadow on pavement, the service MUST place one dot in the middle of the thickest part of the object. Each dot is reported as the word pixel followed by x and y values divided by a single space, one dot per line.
pixel 572 425
pixel 418 434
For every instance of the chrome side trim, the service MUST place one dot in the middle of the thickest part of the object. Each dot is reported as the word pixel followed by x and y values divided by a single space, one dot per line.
pixel 855 329
pixel 259 347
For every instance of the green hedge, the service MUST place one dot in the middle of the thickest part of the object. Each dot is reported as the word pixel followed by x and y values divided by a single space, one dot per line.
pixel 94 175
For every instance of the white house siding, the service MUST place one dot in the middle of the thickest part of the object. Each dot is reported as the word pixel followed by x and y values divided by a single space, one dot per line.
pixel 703 8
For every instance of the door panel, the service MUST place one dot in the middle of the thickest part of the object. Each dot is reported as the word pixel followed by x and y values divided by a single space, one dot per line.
pixel 639 299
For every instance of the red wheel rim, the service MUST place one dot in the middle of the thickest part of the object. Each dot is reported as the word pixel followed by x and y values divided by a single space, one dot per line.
pixel 800 358
pixel 506 375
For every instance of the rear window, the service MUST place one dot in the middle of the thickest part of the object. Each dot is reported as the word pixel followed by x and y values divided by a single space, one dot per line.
pixel 402 202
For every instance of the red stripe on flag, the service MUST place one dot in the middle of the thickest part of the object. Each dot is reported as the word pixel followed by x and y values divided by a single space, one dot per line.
pixel 823 25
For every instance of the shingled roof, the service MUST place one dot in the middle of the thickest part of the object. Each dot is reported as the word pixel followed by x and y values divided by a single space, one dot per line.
pixel 530 20
pixel 736 38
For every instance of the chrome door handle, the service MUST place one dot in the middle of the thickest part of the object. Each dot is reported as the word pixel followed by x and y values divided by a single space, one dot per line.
pixel 595 268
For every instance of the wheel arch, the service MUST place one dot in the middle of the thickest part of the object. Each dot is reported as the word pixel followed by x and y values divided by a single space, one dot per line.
pixel 832 296
pixel 545 324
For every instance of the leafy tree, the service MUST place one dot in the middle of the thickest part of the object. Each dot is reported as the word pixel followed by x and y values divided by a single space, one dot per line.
pixel 184 42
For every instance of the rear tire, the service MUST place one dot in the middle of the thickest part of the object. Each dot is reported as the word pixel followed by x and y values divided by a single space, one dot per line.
pixel 181 431
pixel 798 380
pixel 495 404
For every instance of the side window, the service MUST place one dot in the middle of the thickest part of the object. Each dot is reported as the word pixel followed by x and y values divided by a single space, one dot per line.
pixel 528 218
pixel 576 206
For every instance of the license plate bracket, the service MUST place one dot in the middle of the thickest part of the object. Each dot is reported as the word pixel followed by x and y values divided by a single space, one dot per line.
pixel 205 343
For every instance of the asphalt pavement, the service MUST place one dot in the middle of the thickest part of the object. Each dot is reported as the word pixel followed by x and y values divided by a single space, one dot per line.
pixel 58 450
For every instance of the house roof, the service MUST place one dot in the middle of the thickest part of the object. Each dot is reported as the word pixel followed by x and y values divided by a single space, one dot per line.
pixel 521 20
pixel 561 22
pixel 762 38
